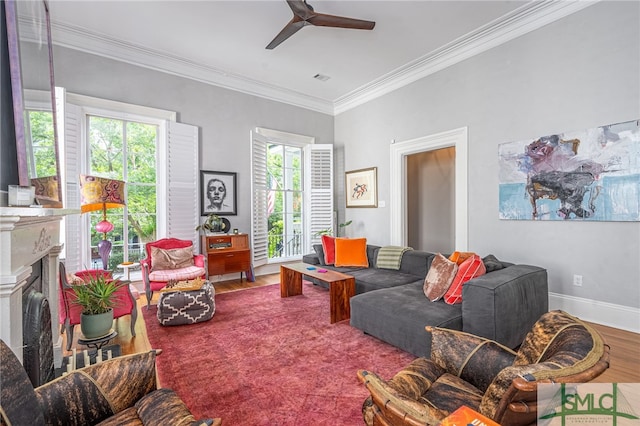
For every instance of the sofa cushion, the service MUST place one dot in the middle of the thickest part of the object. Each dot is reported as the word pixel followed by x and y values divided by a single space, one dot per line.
pixel 369 279
pixel 320 252
pixel 351 252
pixel 188 273
pixel 398 316
pixel 416 262
pixel 471 268
pixel 439 277
pixel 329 249
pixel 162 259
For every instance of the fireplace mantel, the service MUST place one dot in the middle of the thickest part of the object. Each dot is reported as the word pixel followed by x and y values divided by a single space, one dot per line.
pixel 26 236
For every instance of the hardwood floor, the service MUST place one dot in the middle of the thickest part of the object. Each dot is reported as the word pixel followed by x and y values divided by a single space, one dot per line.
pixel 625 346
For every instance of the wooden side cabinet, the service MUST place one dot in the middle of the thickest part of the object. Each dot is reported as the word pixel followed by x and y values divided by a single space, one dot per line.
pixel 227 254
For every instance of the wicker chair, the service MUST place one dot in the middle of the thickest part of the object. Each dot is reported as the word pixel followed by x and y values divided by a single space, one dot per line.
pixel 494 380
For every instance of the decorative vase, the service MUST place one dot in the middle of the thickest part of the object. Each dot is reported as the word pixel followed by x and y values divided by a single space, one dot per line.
pixel 98 325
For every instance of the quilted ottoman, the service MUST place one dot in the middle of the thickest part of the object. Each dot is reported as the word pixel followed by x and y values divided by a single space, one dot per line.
pixel 187 307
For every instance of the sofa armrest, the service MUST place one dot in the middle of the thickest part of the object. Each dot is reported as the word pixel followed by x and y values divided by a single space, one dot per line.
pixel 146 270
pixel 198 260
pixel 145 266
pixel 503 305
pixel 311 259
pixel 91 394
pixel 474 359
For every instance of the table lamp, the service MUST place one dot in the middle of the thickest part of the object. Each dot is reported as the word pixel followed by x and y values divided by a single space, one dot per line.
pixel 98 193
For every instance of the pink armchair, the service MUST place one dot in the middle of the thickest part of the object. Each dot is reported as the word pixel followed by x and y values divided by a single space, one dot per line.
pixel 69 314
pixel 172 262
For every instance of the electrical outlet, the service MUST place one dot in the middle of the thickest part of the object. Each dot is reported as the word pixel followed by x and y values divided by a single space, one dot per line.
pixel 577 280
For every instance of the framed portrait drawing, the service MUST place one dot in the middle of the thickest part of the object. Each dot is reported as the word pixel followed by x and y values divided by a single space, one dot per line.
pixel 361 187
pixel 218 193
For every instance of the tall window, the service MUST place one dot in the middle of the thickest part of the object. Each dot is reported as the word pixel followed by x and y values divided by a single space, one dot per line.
pixel 284 201
pixel 125 150
pixel 292 188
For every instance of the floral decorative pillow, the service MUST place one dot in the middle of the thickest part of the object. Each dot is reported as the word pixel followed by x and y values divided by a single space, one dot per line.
pixel 439 278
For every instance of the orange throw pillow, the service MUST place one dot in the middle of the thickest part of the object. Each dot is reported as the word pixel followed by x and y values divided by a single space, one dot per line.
pixel 329 249
pixel 351 252
pixel 460 256
pixel 471 268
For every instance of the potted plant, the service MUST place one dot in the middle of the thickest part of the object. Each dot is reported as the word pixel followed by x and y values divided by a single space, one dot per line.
pixel 96 297
pixel 213 223
pixel 329 231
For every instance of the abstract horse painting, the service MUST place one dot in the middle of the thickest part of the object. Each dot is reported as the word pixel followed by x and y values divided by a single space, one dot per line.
pixel 592 174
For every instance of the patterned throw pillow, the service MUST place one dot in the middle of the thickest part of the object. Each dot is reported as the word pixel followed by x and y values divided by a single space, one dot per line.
pixel 329 248
pixel 177 258
pixel 439 278
pixel 351 252
pixel 471 268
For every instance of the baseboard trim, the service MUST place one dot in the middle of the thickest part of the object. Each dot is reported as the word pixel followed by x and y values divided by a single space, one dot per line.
pixel 609 314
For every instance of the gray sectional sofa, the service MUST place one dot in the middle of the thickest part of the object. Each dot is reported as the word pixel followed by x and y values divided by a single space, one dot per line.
pixel 390 304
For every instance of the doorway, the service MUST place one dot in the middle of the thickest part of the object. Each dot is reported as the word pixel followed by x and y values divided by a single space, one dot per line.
pixel 458 139
pixel 431 201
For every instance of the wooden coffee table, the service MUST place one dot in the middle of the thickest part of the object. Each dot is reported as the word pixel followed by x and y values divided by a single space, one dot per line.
pixel 341 286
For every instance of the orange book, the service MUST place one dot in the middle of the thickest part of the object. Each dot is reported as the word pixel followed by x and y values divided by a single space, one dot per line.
pixel 465 416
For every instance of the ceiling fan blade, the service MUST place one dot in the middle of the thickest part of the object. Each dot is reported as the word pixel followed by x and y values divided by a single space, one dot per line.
pixel 301 8
pixel 323 20
pixel 290 29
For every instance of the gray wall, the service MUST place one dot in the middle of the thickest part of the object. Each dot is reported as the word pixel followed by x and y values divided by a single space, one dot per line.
pixel 577 73
pixel 431 201
pixel 225 117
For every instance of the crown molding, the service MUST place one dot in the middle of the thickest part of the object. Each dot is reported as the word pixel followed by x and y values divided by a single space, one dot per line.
pixel 83 40
pixel 528 18
pixel 521 21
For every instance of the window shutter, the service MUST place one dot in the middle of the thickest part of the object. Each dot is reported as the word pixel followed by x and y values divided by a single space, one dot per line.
pixel 259 237
pixel 71 137
pixel 182 196
pixel 318 191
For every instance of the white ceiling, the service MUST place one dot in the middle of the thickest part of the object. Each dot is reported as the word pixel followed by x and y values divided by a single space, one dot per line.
pixel 223 42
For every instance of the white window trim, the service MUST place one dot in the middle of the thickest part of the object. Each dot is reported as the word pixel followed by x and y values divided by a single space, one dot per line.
pixel 457 138
pixel 286 138
pixel 88 105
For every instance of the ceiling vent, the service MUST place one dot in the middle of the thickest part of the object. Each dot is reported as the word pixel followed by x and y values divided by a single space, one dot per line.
pixel 321 77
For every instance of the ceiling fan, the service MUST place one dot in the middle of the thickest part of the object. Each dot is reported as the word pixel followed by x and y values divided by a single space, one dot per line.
pixel 303 15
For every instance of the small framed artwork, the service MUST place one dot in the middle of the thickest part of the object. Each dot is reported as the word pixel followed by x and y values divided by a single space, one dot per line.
pixel 362 187
pixel 218 193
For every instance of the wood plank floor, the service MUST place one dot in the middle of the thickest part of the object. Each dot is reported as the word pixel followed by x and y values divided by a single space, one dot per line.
pixel 625 346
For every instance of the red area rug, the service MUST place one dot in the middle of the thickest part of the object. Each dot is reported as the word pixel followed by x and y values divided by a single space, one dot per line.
pixel 264 360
